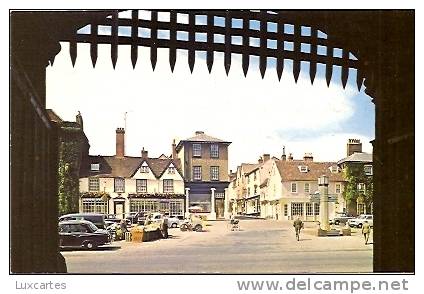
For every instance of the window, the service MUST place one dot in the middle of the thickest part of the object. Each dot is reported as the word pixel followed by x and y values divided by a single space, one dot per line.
pixel 95 167
pixel 286 208
pixel 361 208
pixel 338 188
pixel 219 195
pixel 293 187
pixel 202 200
pixel 297 209
pixel 144 168
pixel 334 169
pixel 119 185
pixel 309 209
pixel 214 151
pixel 255 190
pixel 168 186
pixel 307 187
pixel 197 173
pixel 248 191
pixel 368 170
pixel 197 150
pixel 143 205
pixel 316 208
pixel 93 184
pixel 254 176
pixel 361 187
pixel 171 170
pixel 94 205
pixel 214 173
pixel 303 169
pixel 141 186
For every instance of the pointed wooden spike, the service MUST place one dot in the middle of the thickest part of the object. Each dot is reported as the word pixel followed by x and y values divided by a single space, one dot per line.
pixel 262 65
pixel 227 62
pixel 172 59
pixel 153 57
pixel 209 60
pixel 296 70
pixel 73 52
pixel 191 60
pixel 245 63
pixel 93 54
pixel 134 55
pixel 345 75
pixel 328 73
pixel 359 79
pixel 312 71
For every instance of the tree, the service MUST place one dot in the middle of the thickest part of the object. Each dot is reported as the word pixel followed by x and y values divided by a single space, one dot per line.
pixel 354 175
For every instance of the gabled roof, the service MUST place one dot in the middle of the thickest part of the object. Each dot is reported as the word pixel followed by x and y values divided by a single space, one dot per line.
pixel 289 171
pixel 111 166
pixel 201 137
pixel 249 167
pixel 357 157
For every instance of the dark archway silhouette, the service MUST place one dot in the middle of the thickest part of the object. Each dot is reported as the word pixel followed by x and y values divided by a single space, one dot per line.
pixel 385 53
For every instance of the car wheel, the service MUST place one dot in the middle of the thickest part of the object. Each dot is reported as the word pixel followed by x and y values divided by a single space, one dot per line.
pixel 90 245
pixel 183 227
pixel 198 228
pixel 359 225
pixel 174 225
pixel 337 222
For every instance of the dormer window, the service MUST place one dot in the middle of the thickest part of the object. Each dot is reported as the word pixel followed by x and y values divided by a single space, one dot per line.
pixel 334 169
pixel 95 167
pixel 368 170
pixel 303 168
pixel 144 168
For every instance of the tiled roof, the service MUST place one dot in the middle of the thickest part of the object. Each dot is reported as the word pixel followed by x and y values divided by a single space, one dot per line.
pixel 111 166
pixel 357 157
pixel 249 167
pixel 289 170
pixel 201 137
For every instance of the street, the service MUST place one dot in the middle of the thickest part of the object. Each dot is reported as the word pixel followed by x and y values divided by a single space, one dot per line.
pixel 261 246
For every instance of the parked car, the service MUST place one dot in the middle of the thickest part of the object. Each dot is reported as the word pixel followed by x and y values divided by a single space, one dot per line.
pixel 136 217
pixel 359 221
pixel 82 233
pixel 96 218
pixel 340 218
pixel 175 221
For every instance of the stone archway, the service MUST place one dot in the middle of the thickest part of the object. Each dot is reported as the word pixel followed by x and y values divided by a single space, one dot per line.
pixel 389 79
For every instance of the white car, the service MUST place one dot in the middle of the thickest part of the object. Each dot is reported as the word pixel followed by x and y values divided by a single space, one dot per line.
pixel 359 221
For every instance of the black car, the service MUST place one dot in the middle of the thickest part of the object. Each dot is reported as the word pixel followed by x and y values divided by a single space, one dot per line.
pixel 81 233
pixel 96 218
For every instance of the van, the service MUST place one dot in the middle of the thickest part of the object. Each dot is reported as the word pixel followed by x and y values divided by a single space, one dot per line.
pixel 96 218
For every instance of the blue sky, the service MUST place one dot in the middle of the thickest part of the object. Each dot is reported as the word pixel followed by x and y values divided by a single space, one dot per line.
pixel 257 115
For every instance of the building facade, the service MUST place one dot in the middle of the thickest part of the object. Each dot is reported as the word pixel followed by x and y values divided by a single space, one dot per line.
pixel 358 172
pixel 122 184
pixel 204 163
pixel 292 184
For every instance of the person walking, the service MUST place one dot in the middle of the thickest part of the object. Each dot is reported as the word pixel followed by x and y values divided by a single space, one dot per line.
pixel 366 229
pixel 298 225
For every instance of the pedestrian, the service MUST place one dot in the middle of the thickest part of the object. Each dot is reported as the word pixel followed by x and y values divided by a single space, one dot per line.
pixel 366 229
pixel 164 228
pixel 298 225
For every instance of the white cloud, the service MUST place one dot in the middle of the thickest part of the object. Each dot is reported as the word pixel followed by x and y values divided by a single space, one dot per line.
pixel 162 105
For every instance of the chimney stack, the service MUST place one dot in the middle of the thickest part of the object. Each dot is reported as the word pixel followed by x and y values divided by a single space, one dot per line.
pixel 199 133
pixel 174 150
pixel 266 157
pixel 353 146
pixel 290 156
pixel 144 153
pixel 120 143
pixel 283 157
pixel 308 157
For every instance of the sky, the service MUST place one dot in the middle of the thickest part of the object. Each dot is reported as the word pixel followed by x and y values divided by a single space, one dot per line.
pixel 257 115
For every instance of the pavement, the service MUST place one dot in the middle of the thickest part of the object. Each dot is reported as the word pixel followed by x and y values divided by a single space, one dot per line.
pixel 261 246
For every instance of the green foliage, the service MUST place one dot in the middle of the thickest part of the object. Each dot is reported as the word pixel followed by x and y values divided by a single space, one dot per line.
pixel 68 175
pixel 354 174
